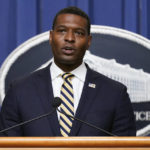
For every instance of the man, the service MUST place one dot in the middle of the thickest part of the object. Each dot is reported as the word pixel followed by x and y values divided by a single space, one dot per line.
pixel 86 94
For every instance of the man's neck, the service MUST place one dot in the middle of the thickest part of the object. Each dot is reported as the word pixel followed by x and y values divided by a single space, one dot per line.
pixel 68 67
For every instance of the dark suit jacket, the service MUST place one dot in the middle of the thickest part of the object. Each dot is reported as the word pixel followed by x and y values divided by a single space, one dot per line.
pixel 106 106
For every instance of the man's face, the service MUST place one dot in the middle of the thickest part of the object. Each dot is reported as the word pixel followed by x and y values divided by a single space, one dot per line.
pixel 69 40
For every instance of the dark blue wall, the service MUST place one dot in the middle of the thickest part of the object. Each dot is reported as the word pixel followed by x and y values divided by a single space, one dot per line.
pixel 22 19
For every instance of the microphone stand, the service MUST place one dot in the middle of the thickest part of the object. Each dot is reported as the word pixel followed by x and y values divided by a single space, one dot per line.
pixel 28 121
pixel 91 125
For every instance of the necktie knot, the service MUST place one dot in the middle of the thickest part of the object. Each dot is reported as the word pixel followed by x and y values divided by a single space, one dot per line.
pixel 67 75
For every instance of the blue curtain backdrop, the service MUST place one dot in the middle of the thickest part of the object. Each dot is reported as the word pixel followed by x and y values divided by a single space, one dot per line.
pixel 22 19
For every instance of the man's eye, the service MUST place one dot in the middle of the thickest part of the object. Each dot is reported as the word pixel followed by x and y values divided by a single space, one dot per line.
pixel 79 33
pixel 61 30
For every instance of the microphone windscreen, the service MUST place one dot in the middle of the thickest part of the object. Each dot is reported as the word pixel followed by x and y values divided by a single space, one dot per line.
pixel 56 102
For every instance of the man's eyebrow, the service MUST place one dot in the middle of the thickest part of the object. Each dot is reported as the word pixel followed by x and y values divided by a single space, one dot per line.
pixel 78 28
pixel 83 29
pixel 60 26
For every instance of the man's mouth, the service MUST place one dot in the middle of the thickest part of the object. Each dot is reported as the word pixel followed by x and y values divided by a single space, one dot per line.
pixel 68 50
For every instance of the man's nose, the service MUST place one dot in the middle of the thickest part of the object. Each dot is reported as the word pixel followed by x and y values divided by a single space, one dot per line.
pixel 70 37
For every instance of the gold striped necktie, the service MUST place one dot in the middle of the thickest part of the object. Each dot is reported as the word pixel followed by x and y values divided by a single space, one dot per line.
pixel 67 105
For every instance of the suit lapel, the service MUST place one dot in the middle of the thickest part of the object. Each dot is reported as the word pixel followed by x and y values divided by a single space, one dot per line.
pixel 44 87
pixel 86 99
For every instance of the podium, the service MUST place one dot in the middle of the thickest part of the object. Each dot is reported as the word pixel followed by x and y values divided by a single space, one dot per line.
pixel 74 143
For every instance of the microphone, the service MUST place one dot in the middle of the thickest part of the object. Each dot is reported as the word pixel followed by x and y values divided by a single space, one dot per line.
pixel 55 103
pixel 84 122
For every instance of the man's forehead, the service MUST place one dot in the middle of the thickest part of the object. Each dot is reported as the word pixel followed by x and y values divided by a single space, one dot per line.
pixel 71 19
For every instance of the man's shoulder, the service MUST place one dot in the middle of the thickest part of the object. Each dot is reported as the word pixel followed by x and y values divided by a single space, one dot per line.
pixel 103 79
pixel 28 79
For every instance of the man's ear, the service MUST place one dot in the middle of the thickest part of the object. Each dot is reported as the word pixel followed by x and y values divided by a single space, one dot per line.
pixel 50 36
pixel 89 40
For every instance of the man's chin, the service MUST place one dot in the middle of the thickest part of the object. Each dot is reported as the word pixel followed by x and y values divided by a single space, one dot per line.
pixel 69 63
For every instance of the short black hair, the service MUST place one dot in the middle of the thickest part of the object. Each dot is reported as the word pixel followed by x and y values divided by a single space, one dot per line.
pixel 76 11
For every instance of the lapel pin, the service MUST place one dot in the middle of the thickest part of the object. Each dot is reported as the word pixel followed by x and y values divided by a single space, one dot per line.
pixel 92 85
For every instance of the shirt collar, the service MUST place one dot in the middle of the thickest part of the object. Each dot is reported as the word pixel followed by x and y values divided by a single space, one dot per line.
pixel 79 72
pixel 55 71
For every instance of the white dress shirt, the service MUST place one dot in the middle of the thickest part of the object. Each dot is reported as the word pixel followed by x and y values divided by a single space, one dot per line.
pixel 77 82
